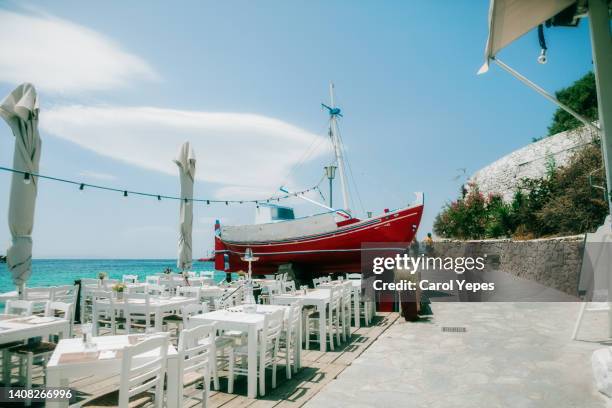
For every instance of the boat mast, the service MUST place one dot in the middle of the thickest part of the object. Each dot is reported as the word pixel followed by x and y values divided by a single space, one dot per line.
pixel 334 112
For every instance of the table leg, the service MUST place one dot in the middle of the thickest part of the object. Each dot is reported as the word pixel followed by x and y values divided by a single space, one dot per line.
pixel 356 309
pixel 54 380
pixel 175 383
pixel 322 326
pixel 298 347
pixel 6 368
pixel 252 363
pixel 158 320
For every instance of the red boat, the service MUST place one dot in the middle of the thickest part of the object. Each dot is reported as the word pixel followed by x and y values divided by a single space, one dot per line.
pixel 336 248
pixel 325 243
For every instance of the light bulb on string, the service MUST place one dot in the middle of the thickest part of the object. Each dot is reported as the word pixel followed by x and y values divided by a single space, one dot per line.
pixel 82 187
pixel 158 198
pixel 207 202
pixel 26 178
pixel 125 194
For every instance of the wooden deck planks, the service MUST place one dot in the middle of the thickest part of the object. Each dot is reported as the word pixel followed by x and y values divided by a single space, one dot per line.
pixel 318 369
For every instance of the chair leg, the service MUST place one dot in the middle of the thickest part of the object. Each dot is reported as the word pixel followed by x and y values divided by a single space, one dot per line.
pixel 215 370
pixel 288 361
pixel 28 382
pixel 262 375
pixel 273 371
pixel 230 377
pixel 307 333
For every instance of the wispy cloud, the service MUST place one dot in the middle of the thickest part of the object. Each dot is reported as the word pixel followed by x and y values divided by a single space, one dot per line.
pixel 97 175
pixel 245 153
pixel 63 57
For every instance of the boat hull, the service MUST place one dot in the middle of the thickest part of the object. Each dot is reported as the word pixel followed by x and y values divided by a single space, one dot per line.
pixel 338 251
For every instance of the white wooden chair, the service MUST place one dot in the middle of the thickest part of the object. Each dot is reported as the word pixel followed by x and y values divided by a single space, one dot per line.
pixel 139 376
pixel 13 307
pixel 196 348
pixel 289 342
pixel 222 343
pixel 105 312
pixel 38 353
pixel 67 294
pixel 330 317
pixel 267 352
pixel 141 316
pixel 316 282
pixel 39 296
pixel 346 309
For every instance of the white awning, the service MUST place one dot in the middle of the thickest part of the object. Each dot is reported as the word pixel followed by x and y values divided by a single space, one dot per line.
pixel 510 19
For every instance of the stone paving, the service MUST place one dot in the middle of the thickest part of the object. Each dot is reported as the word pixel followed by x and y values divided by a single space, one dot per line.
pixel 511 355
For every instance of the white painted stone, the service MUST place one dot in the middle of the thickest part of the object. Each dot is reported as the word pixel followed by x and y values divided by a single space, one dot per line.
pixel 503 175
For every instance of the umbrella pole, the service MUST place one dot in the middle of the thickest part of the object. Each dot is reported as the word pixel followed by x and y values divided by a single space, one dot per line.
pixel 601 42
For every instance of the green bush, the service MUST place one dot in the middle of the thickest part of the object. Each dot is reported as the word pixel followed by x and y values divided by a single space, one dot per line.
pixel 560 203
pixel 581 96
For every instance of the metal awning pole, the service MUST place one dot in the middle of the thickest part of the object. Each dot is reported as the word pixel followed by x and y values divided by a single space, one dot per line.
pixel 545 94
pixel 601 42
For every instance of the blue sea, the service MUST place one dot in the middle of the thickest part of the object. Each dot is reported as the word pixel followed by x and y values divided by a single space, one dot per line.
pixel 52 272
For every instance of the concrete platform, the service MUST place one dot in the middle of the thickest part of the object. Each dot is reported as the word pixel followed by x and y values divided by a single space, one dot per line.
pixel 511 355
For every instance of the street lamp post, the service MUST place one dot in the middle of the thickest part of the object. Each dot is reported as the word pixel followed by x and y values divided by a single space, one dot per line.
pixel 330 172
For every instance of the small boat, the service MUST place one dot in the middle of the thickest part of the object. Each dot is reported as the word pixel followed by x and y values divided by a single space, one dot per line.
pixel 331 242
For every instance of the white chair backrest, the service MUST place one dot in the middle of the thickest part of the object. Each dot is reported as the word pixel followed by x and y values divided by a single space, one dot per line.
pixel 19 307
pixel 129 278
pixel 295 319
pixel 196 349
pixel 138 375
pixel 152 280
pixel 138 307
pixel 66 293
pixel 316 282
pixel 63 310
pixel 335 297
pixel 102 301
pixel 189 291
pixel 59 309
pixel 353 276
pixel 191 310
pixel 290 286
pixel 38 293
pixel 154 289
pixel 273 326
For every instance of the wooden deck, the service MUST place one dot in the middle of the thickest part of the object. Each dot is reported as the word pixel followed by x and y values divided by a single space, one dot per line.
pixel 318 369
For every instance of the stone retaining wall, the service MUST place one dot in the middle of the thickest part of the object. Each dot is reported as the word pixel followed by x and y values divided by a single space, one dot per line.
pixel 554 262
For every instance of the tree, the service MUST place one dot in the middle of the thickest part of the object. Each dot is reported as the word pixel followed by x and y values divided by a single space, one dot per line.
pixel 581 96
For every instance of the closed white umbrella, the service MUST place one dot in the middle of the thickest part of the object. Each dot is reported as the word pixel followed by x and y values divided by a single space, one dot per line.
pixel 186 163
pixel 20 110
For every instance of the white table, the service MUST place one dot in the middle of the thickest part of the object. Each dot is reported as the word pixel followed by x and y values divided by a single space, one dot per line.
pixel 20 328
pixel 159 305
pixel 318 298
pixel 356 295
pixel 251 323
pixel 59 373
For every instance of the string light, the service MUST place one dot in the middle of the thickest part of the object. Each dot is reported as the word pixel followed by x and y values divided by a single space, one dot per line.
pixel 27 179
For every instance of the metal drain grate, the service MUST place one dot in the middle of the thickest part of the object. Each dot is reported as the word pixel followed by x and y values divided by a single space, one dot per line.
pixel 454 329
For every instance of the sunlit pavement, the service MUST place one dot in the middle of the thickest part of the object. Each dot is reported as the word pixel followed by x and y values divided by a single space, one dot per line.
pixel 511 355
